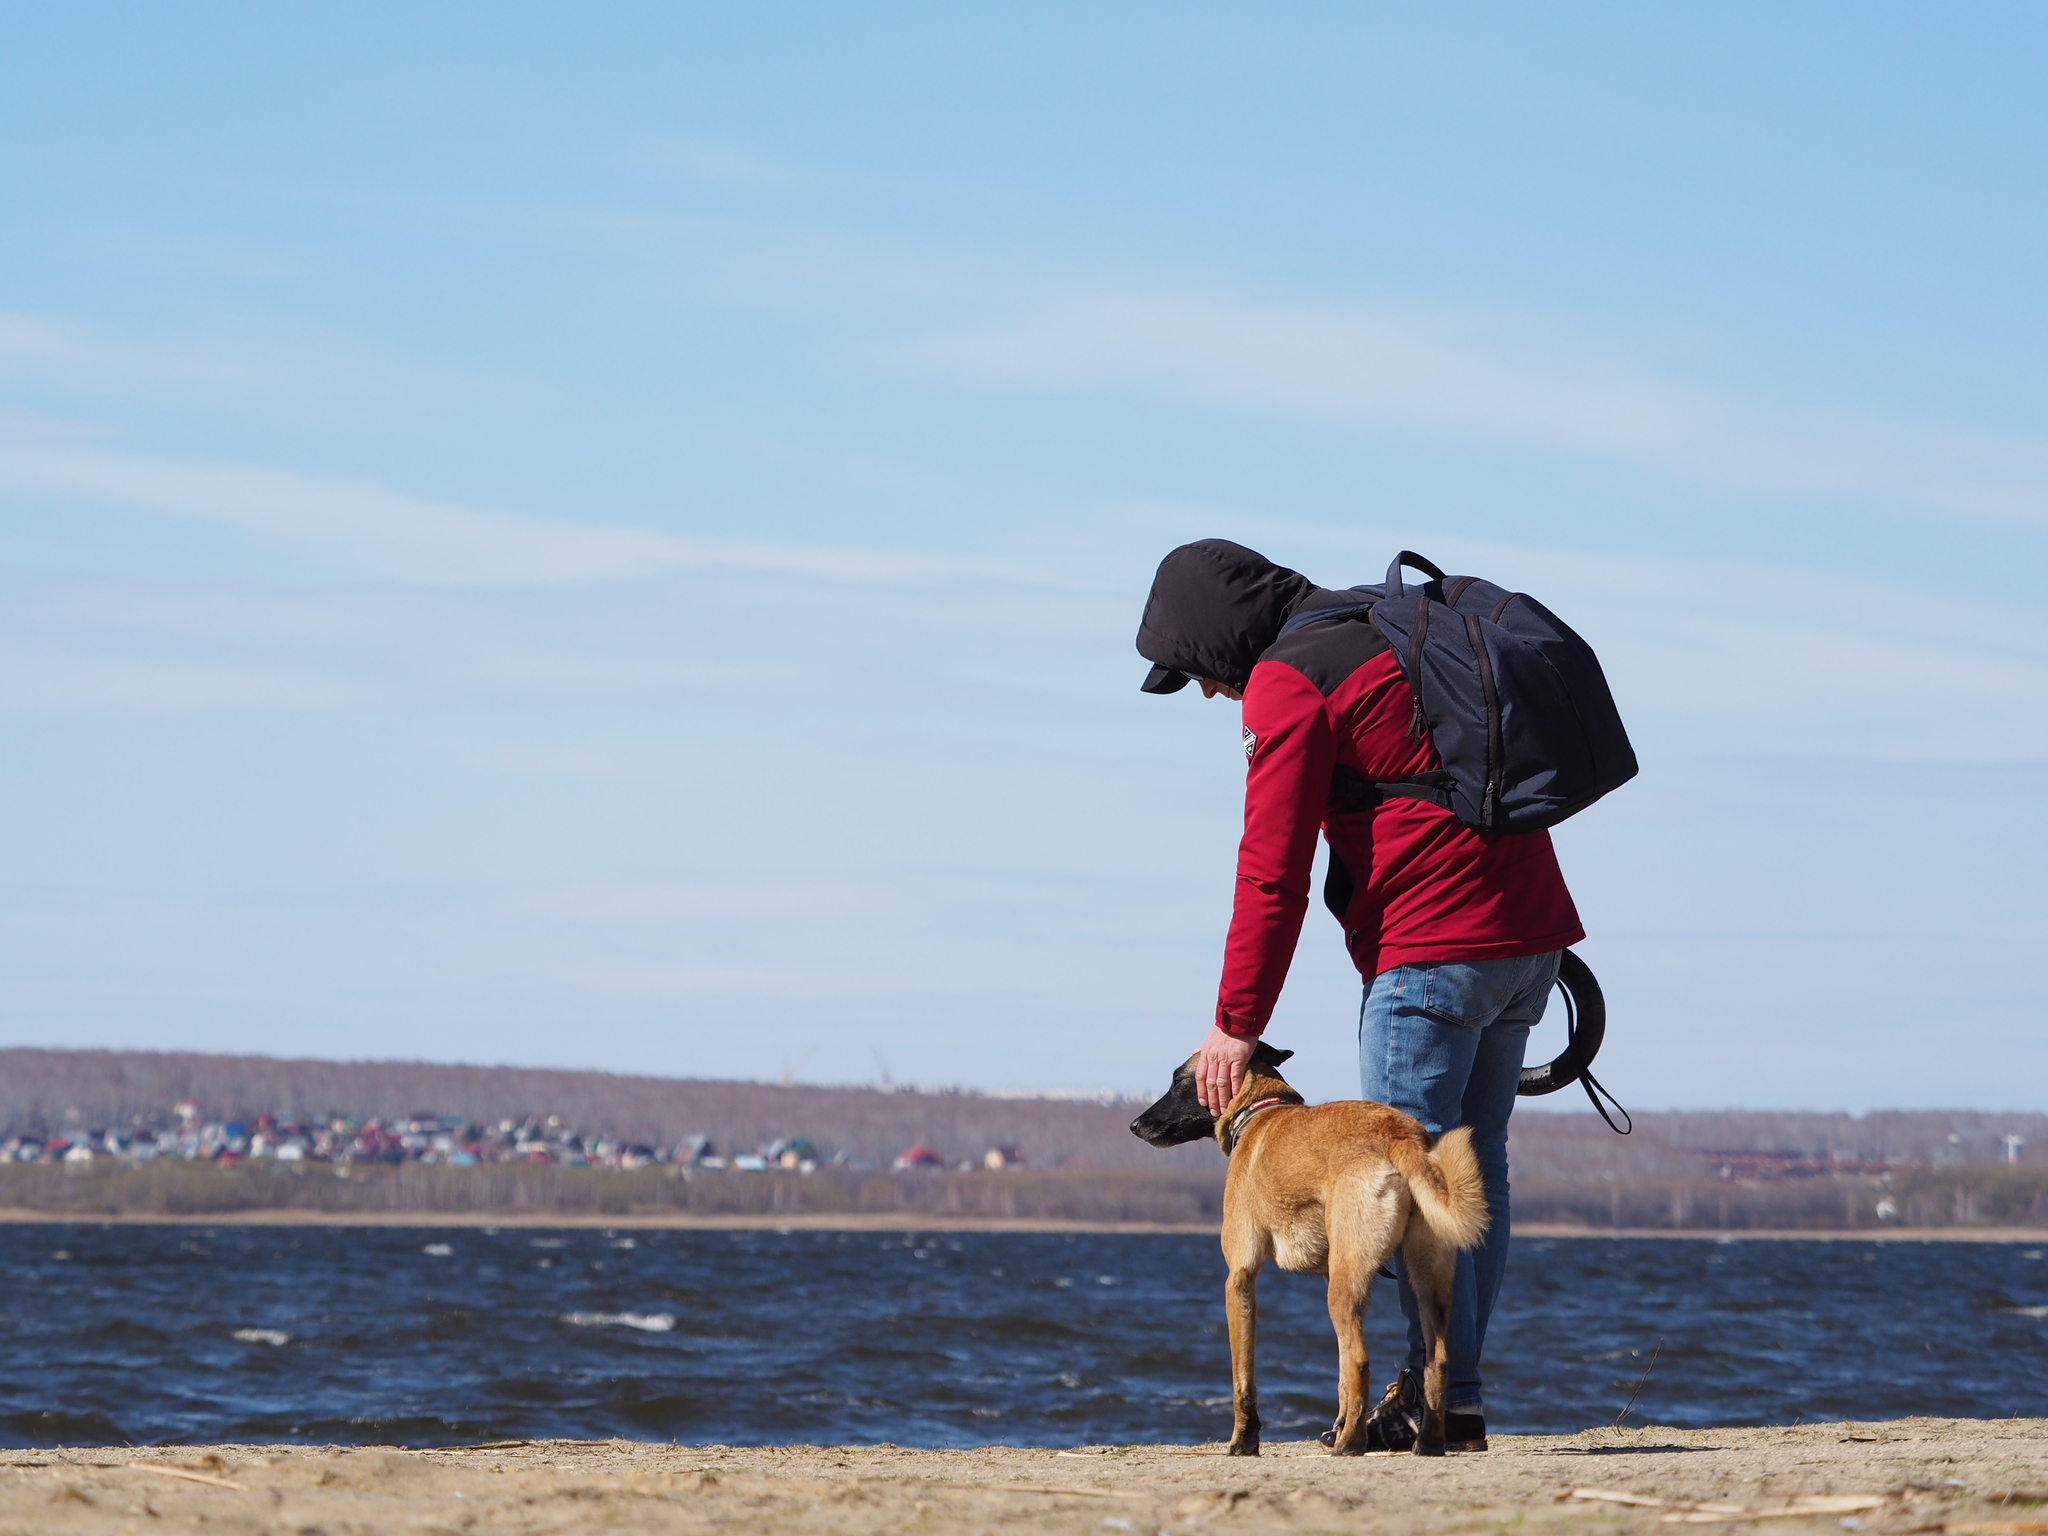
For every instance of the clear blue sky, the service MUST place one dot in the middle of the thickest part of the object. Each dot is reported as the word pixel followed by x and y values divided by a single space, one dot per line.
pixel 612 536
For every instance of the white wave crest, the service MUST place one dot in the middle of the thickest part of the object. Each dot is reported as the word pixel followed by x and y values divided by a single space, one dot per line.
pixel 646 1322
pixel 263 1336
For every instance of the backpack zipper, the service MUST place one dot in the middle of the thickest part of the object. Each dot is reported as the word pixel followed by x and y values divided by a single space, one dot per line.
pixel 1418 723
pixel 1489 802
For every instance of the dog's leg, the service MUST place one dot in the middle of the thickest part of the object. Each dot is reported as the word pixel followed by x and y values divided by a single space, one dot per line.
pixel 1350 1282
pixel 1431 1269
pixel 1364 1220
pixel 1241 1307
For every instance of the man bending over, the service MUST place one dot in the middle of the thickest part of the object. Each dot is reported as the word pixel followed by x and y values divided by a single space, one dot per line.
pixel 1456 933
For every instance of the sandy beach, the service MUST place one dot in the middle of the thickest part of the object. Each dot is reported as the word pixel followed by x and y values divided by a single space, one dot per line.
pixel 1925 1476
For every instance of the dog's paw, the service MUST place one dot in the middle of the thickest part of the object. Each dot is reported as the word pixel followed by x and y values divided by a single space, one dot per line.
pixel 1429 1434
pixel 1244 1448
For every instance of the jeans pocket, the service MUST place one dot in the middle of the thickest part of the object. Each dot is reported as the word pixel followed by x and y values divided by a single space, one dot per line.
pixel 1470 992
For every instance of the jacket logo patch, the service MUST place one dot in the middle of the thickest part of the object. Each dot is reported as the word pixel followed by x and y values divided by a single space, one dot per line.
pixel 1251 743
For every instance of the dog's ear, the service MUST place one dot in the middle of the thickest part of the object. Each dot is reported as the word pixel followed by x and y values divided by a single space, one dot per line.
pixel 1266 1056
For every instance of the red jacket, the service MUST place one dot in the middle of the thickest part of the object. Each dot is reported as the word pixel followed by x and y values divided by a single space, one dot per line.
pixel 1412 881
pixel 1408 880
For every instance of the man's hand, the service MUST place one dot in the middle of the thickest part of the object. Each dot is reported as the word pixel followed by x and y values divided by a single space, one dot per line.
pixel 1219 1068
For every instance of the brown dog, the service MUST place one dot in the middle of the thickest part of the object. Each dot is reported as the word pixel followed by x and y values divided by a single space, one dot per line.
pixel 1330 1190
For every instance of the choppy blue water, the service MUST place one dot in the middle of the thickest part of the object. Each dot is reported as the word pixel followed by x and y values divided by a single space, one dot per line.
pixel 425 1337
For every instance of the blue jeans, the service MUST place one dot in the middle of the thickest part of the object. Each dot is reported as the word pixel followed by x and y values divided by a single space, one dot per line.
pixel 1443 1041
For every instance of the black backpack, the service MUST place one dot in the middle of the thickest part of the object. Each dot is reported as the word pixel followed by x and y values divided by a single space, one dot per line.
pixel 1513 701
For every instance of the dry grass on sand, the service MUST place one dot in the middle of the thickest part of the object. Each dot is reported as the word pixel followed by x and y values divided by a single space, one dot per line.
pixel 1954 1477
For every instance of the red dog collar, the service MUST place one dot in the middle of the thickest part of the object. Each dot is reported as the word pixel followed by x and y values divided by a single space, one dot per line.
pixel 1234 1132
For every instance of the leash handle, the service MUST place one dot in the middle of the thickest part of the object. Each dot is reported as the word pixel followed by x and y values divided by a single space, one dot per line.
pixel 1594 1089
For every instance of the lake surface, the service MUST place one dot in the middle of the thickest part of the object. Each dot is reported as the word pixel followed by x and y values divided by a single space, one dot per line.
pixel 421 1336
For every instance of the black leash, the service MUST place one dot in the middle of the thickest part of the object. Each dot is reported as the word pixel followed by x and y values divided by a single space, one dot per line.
pixel 1595 1089
pixel 1585 1027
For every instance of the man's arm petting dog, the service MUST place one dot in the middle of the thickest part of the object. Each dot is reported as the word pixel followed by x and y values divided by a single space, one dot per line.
pixel 1333 1190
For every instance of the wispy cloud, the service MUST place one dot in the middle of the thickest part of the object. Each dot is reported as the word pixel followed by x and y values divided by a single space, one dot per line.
pixel 257 369
pixel 723 163
pixel 711 981
pixel 1486 378
pixel 663 764
pixel 389 534
pixel 41 682
pixel 727 166
pixel 671 901
pixel 1462 376
pixel 47 350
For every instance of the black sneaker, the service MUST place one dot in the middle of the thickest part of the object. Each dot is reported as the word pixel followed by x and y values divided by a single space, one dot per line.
pixel 1464 1432
pixel 1396 1423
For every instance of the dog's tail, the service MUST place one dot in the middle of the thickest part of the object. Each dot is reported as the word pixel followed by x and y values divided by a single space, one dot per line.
pixel 1445 1182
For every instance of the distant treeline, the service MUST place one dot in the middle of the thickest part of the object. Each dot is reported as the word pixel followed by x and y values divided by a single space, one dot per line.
pixel 51 1092
pixel 60 1092
pixel 1981 1195
pixel 1964 1195
pixel 1686 1143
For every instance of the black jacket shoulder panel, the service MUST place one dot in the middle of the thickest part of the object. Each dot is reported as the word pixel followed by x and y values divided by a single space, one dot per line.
pixel 1329 652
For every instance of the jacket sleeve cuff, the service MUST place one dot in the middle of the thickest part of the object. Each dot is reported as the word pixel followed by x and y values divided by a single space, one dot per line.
pixel 1244 1029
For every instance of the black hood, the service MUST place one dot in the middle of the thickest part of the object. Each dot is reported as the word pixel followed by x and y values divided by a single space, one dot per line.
pixel 1215 608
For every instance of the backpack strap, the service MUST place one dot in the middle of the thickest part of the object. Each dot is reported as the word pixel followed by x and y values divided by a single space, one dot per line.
pixel 1351 790
pixel 1433 787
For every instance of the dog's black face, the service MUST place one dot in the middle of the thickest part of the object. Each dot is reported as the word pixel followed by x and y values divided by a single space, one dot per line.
pixel 1178 1116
